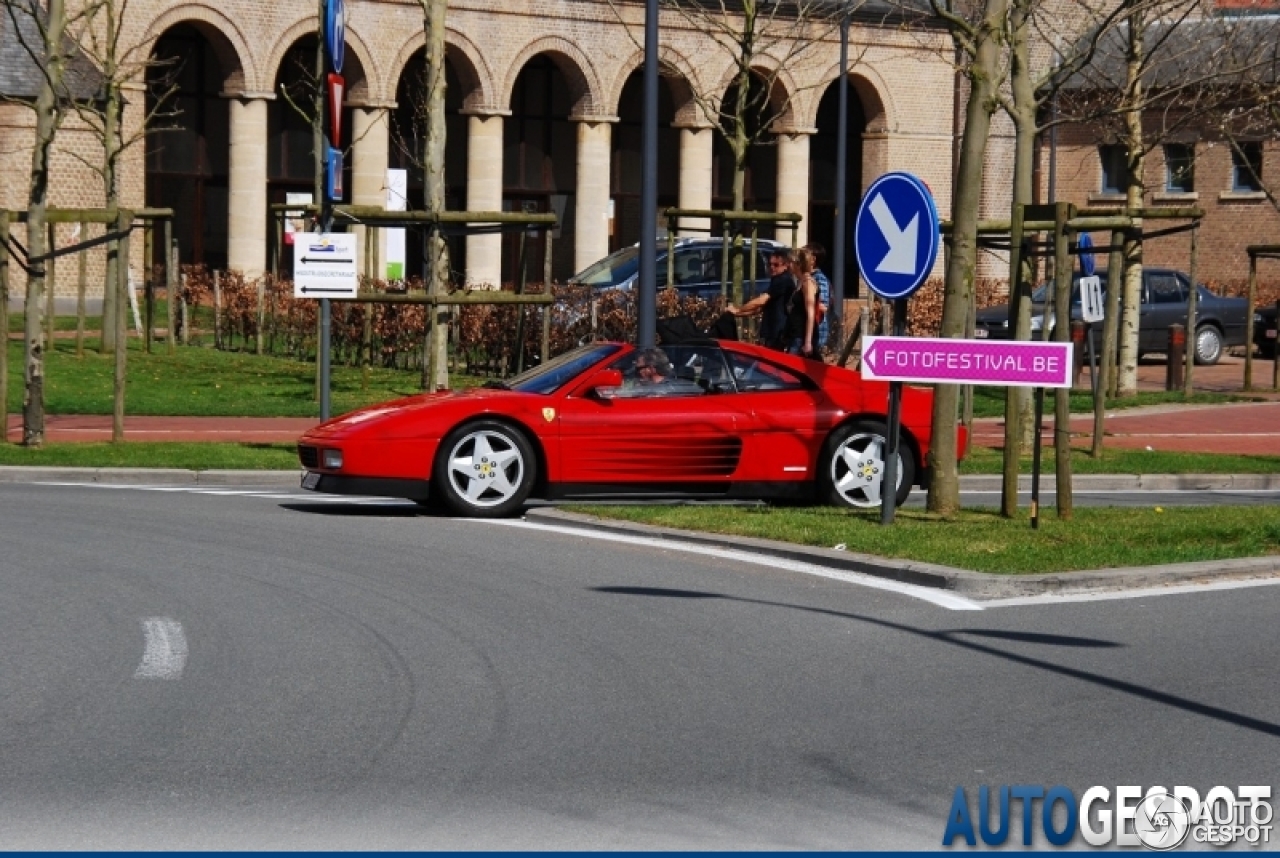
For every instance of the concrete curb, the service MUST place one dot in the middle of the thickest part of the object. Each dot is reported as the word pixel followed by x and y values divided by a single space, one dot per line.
pixel 148 476
pixel 978 585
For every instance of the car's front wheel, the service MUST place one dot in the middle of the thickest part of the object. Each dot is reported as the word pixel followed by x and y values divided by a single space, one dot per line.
pixel 853 462
pixel 1208 345
pixel 484 469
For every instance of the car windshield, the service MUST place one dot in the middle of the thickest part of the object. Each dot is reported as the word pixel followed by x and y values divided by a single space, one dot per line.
pixel 614 269
pixel 555 373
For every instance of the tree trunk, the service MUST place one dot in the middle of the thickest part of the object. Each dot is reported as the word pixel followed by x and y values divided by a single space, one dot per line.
pixel 1018 413
pixel 944 491
pixel 1127 383
pixel 47 118
pixel 434 184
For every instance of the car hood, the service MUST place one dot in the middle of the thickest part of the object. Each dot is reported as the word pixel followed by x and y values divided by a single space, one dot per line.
pixel 423 415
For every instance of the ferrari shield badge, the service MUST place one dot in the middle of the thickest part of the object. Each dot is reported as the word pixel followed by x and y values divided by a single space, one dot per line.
pixel 548 414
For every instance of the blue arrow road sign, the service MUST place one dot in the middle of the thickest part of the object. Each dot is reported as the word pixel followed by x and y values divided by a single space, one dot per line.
pixel 895 235
pixel 335 33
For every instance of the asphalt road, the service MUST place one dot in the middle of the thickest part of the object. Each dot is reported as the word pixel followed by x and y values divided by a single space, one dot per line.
pixel 233 669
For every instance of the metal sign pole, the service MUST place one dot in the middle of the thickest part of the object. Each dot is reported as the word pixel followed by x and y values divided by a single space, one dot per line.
pixel 889 489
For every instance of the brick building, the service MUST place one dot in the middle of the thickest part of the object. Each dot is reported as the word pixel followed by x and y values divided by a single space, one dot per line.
pixel 1212 69
pixel 543 113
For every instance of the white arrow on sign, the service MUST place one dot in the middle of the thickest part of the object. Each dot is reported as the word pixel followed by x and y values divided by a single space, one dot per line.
pixel 901 258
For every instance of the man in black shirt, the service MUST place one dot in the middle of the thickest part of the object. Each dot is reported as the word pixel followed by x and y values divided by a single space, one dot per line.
pixel 773 303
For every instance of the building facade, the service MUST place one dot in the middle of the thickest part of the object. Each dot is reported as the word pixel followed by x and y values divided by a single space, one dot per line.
pixel 543 114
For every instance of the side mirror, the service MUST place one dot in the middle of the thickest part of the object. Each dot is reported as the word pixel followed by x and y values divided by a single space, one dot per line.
pixel 603 384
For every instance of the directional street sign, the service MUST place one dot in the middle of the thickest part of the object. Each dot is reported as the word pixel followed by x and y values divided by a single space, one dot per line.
pixel 948 361
pixel 895 235
pixel 324 265
pixel 335 33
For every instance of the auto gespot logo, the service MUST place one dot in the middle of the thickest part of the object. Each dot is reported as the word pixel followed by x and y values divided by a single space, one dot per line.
pixel 1159 818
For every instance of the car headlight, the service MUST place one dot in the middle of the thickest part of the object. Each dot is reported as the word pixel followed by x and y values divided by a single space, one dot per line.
pixel 1037 322
pixel 331 459
pixel 1257 317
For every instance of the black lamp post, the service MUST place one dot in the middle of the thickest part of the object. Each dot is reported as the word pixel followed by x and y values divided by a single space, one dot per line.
pixel 842 156
pixel 647 295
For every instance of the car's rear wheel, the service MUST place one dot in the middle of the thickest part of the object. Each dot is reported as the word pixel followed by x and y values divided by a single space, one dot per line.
pixel 484 469
pixel 1208 345
pixel 853 463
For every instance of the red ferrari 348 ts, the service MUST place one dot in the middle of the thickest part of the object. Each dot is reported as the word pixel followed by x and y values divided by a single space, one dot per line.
pixel 709 419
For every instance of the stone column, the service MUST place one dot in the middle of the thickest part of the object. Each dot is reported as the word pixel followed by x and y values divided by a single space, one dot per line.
pixel 591 212
pixel 696 147
pixel 484 194
pixel 371 140
pixel 793 183
pixel 247 192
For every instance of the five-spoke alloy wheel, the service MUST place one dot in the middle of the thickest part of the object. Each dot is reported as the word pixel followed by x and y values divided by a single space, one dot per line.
pixel 853 462
pixel 485 469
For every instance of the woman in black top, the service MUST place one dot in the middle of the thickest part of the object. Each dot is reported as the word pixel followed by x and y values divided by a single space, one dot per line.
pixel 801 327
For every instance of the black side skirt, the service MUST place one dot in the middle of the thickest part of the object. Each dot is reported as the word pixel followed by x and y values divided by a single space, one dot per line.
pixel 804 490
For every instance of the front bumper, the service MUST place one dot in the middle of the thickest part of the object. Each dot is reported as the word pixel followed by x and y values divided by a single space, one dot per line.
pixel 335 484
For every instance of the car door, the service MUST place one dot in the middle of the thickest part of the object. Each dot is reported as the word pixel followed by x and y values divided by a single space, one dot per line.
pixel 784 416
pixel 682 435
pixel 1164 303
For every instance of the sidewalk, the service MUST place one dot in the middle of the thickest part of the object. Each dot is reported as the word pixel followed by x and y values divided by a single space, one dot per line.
pixel 85 427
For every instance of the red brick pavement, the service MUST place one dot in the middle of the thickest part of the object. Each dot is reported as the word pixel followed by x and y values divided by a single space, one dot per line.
pixel 1249 428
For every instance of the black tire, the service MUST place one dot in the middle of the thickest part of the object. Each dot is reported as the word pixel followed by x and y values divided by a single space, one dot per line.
pixel 484 469
pixel 850 469
pixel 1208 345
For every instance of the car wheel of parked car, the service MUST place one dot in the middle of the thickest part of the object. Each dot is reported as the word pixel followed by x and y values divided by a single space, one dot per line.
pixel 853 462
pixel 1208 345
pixel 484 469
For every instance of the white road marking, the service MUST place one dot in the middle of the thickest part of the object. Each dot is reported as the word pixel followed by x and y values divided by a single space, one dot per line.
pixel 166 651
pixel 941 598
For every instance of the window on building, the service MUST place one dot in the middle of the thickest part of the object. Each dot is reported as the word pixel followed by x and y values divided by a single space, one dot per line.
pixel 1179 168
pixel 1246 166
pixel 1115 168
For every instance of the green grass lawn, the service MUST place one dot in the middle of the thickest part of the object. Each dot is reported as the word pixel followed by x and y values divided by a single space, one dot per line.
pixel 983 541
pixel 983 460
pixel 989 401
pixel 198 382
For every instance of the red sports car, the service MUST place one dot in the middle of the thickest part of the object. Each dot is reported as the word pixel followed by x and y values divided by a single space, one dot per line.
pixel 710 419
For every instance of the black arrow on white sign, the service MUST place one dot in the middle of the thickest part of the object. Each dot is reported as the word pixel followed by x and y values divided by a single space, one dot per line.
pixel 308 289
pixel 311 260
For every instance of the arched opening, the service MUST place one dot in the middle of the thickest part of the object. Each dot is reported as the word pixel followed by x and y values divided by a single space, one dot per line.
pixel 539 170
pixel 760 186
pixel 407 141
pixel 822 177
pixel 628 133
pixel 188 146
pixel 291 151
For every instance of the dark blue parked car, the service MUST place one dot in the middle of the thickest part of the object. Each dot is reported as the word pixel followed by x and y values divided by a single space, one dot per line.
pixel 1220 322
pixel 697 266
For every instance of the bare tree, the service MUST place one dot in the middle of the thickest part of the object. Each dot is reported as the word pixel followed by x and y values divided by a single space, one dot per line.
pixel 1165 70
pixel 119 65
pixel 979 32
pixel 42 31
